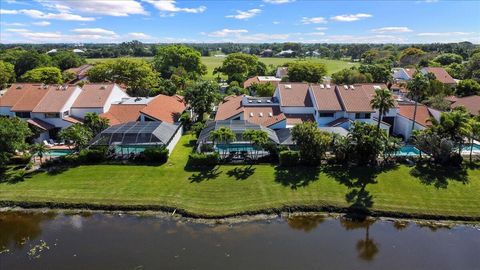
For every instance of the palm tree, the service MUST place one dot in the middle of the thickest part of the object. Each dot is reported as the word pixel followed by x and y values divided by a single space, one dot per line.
pixel 455 125
pixel 417 87
pixel 258 138
pixel 95 123
pixel 383 102
pixel 39 149
pixel 474 133
pixel 223 134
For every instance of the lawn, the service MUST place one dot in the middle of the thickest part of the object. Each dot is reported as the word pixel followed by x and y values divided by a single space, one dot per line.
pixel 212 62
pixel 228 190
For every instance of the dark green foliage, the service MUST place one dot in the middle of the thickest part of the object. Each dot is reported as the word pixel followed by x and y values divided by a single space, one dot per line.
pixel 306 72
pixel 170 58
pixel 201 96
pixel 289 158
pixel 65 60
pixel 156 155
pixel 467 87
pixel 92 156
pixel 351 76
pixel 203 160
pixel 239 66
pixel 379 73
pixel 46 75
pixel 13 133
pixel 366 143
pixel 448 58
pixel 311 142
pixel 197 128
pixel 263 89
pixel 7 74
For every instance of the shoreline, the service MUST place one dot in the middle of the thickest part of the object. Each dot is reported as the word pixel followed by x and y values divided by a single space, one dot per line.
pixel 262 214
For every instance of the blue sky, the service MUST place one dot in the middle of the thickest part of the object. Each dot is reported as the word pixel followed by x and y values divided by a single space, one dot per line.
pixel 355 21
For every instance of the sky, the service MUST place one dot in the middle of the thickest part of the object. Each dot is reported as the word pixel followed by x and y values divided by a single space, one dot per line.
pixel 242 21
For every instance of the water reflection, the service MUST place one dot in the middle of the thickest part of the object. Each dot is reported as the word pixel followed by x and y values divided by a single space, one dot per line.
pixel 17 228
pixel 367 248
pixel 305 223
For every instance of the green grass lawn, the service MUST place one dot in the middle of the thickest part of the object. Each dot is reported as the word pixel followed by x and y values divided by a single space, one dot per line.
pixel 212 62
pixel 232 189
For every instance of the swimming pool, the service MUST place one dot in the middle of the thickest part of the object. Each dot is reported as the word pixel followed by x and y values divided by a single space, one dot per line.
pixel 408 150
pixel 58 152
pixel 235 147
pixel 476 147
pixel 130 149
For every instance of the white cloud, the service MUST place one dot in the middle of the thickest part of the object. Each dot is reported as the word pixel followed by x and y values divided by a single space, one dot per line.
pixel 278 2
pixel 392 29
pixel 247 14
pixel 42 23
pixel 170 6
pixel 441 34
pixel 100 7
pixel 316 34
pixel 37 14
pixel 276 22
pixel 94 31
pixel 17 30
pixel 306 20
pixel 350 17
pixel 321 28
pixel 138 35
pixel 226 32
pixel 363 39
pixel 13 24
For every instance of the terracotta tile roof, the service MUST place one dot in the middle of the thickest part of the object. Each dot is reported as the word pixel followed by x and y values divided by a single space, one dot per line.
pixel 263 115
pixel 165 108
pixel 410 71
pixel 294 119
pixel 294 95
pixel 440 74
pixel 123 113
pixel 23 96
pixel 94 95
pixel 72 119
pixel 231 106
pixel 55 99
pixel 261 79
pixel 358 98
pixel 471 103
pixel 40 124
pixel 423 114
pixel 326 98
pixel 80 71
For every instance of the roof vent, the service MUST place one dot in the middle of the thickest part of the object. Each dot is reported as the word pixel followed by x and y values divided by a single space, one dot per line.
pixel 346 87
pixel 270 114
pixel 138 99
pixel 288 86
pixel 251 114
pixel 19 87
pixel 328 86
pixel 322 86
pixel 103 87
pixel 249 101
pixel 259 101
pixel 260 114
pixel 351 87
pixel 376 87
pixel 269 101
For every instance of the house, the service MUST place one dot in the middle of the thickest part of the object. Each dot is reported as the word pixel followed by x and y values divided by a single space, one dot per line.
pixel 404 119
pixel 471 103
pixel 281 72
pixel 261 79
pixel 97 97
pixel 403 74
pixel 440 74
pixel 80 72
pixel 285 53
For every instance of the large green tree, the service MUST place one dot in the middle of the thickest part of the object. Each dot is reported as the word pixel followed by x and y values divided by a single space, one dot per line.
pixel 448 58
pixel 383 102
pixel 47 75
pixel 202 96
pixel 379 73
pixel 95 123
pixel 263 89
pixel 65 60
pixel 351 76
pixel 364 143
pixel 306 72
pixel 467 87
pixel 417 87
pixel 13 132
pixel 411 56
pixel 240 66
pixel 170 58
pixel 137 75
pixel 473 67
pixel 77 133
pixel 28 60
pixel 7 74
pixel 474 133
pixel 311 142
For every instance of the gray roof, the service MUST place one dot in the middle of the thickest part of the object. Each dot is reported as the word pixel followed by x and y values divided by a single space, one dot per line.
pixel 284 136
pixel 137 133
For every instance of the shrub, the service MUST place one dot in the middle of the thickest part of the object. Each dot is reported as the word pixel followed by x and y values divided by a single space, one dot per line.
pixel 289 158
pixel 156 154
pixel 203 160
pixel 91 156
pixel 20 160
pixel 206 148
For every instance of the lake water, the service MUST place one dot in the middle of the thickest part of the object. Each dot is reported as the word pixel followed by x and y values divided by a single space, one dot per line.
pixel 112 241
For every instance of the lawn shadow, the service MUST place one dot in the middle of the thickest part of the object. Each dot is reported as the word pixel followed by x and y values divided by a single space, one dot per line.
pixel 296 177
pixel 439 176
pixel 204 175
pixel 241 173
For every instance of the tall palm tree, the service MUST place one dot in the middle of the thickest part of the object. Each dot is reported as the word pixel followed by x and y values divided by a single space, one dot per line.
pixel 474 133
pixel 417 87
pixel 223 134
pixel 456 126
pixel 383 102
pixel 39 149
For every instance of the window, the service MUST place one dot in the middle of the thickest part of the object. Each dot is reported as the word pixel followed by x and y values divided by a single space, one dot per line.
pixel 66 113
pixel 327 114
pixel 367 116
pixel 22 114
pixel 52 115
pixel 362 116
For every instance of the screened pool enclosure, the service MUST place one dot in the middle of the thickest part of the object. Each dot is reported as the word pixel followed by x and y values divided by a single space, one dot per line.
pixel 134 137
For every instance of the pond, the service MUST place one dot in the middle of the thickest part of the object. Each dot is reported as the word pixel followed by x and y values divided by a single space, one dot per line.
pixel 122 241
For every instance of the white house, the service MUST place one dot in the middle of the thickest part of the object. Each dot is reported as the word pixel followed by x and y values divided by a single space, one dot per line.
pixel 97 98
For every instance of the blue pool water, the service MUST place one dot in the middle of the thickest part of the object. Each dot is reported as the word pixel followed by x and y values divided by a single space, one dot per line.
pixel 408 150
pixel 476 147
pixel 234 147
pixel 58 152
pixel 131 149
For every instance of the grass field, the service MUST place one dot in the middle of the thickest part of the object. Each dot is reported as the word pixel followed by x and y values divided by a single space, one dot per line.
pixel 213 62
pixel 230 189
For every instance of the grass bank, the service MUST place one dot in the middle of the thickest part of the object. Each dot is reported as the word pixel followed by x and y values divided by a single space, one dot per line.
pixel 399 191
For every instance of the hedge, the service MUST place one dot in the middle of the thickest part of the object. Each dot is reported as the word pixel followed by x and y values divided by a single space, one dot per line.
pixel 289 158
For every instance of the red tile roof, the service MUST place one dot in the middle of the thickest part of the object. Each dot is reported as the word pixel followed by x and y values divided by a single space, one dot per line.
pixel 471 103
pixel 358 98
pixel 230 106
pixel 55 99
pixel 40 124
pixel 123 113
pixel 294 95
pixel 441 75
pixel 24 96
pixel 256 79
pixel 422 117
pixel 165 108
pixel 263 115
pixel 94 95
pixel 326 98
pixel 72 119
pixel 410 71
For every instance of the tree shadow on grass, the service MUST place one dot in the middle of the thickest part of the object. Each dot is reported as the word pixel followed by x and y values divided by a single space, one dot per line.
pixel 241 173
pixel 204 175
pixel 439 176
pixel 296 177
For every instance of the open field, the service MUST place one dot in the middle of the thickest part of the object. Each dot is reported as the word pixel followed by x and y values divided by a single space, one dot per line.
pixel 229 190
pixel 212 62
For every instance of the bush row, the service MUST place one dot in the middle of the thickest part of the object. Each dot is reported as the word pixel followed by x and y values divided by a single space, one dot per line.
pixel 203 160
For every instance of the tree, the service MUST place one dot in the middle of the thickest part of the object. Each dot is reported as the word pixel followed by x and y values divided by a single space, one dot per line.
pixel 411 56
pixel 263 89
pixel 7 74
pixel 235 89
pixel 351 76
pixel 366 143
pixel 39 149
pixel 379 73
pixel 311 141
pixel 455 126
pixel 383 102
pixel 13 132
pixel 95 123
pixel 47 75
pixel 65 60
pixel 77 133
pixel 201 96
pixel 473 67
pixel 223 135
pixel 29 60
pixel 430 141
pixel 306 72
pixel 474 133
pixel 240 66
pixel 169 58
pixel 417 87
pixel 467 87
pixel 258 138
pixel 137 75
pixel 456 70
pixel 448 58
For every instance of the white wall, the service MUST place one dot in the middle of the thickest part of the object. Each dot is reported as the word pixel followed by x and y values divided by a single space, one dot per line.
pixel 80 112
pixel 403 126
pixel 71 100
pixel 116 95
pixel 57 122
pixel 42 136
pixel 175 139
pixel 323 121
pixel 298 110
